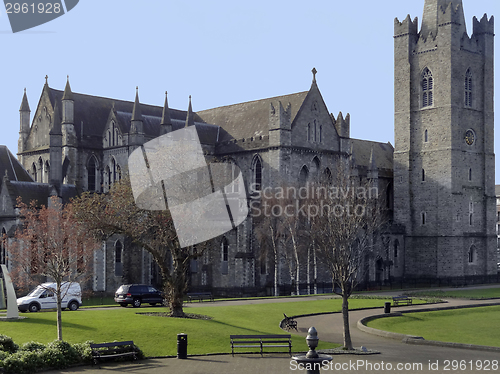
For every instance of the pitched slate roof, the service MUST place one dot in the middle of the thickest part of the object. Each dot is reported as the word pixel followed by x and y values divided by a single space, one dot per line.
pixel 92 113
pixel 250 119
pixel 14 169
pixel 382 153
pixel 39 192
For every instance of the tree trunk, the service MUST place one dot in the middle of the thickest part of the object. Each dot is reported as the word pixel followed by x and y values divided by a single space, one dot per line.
pixel 276 273
pixel 177 286
pixel 59 319
pixel 308 280
pixel 345 315
pixel 297 274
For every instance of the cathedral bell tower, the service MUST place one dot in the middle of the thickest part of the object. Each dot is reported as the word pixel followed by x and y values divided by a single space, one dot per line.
pixel 444 166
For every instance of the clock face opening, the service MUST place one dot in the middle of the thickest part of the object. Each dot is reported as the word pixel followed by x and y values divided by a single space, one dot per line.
pixel 469 137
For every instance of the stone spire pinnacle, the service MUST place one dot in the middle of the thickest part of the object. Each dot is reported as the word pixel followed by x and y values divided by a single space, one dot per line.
pixel 24 104
pixel 189 117
pixel 136 112
pixel 165 117
pixel 314 71
pixel 68 95
pixel 438 12
pixel 166 121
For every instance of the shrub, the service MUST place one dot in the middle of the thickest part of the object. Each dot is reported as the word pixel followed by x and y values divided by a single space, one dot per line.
pixel 84 351
pixel 33 347
pixel 23 362
pixel 7 344
pixel 34 356
pixel 53 358
pixel 140 354
pixel 67 350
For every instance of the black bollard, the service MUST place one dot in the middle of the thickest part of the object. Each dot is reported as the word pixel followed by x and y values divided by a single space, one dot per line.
pixel 182 342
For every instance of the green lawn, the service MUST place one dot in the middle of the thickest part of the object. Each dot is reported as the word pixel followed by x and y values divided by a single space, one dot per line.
pixel 156 336
pixel 468 326
pixel 485 293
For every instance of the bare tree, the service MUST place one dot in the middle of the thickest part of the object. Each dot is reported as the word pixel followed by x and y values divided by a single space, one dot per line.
pixel 344 217
pixel 51 244
pixel 117 213
pixel 279 224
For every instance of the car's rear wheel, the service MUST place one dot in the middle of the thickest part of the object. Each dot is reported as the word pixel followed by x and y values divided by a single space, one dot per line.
pixel 73 306
pixel 34 308
pixel 136 303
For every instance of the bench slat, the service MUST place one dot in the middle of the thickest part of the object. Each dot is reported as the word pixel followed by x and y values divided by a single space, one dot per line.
pixel 110 352
pixel 261 341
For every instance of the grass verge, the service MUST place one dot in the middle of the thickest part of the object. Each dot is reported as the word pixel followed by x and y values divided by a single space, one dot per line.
pixel 467 326
pixel 476 294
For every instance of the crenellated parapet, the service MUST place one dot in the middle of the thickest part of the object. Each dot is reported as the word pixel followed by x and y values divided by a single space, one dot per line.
pixel 452 14
pixel 342 124
pixel 406 27
pixel 484 26
pixel 470 44
pixel 280 118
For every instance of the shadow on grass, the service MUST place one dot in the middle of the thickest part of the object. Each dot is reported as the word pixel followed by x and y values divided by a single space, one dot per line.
pixel 47 322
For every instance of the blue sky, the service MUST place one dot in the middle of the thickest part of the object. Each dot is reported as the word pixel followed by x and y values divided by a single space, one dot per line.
pixel 220 52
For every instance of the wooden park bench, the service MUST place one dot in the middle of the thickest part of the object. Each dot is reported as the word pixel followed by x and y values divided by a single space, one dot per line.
pixel 406 300
pixel 113 350
pixel 199 296
pixel 290 323
pixel 261 342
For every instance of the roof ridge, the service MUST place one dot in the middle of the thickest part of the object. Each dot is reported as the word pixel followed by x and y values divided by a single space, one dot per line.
pixel 254 101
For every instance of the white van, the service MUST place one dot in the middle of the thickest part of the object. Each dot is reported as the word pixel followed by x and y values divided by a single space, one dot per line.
pixel 44 297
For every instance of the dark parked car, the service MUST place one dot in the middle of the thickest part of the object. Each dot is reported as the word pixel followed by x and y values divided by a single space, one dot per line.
pixel 137 294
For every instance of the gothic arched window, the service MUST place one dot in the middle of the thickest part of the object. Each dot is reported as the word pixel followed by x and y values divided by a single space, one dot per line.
pixel 113 170
pixel 92 174
pixel 468 88
pixel 224 246
pixel 304 173
pixel 327 176
pixel 33 172
pixel 40 170
pixel 118 258
pixel 471 255
pixel 257 174
pixel 427 88
pixel 47 171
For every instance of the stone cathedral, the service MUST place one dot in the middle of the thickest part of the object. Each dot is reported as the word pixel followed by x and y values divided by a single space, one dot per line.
pixel 438 179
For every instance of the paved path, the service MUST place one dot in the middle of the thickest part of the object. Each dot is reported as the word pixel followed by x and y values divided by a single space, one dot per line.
pixel 395 356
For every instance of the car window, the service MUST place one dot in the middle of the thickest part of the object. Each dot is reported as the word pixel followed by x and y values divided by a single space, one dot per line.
pixel 122 289
pixel 143 289
pixel 152 289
